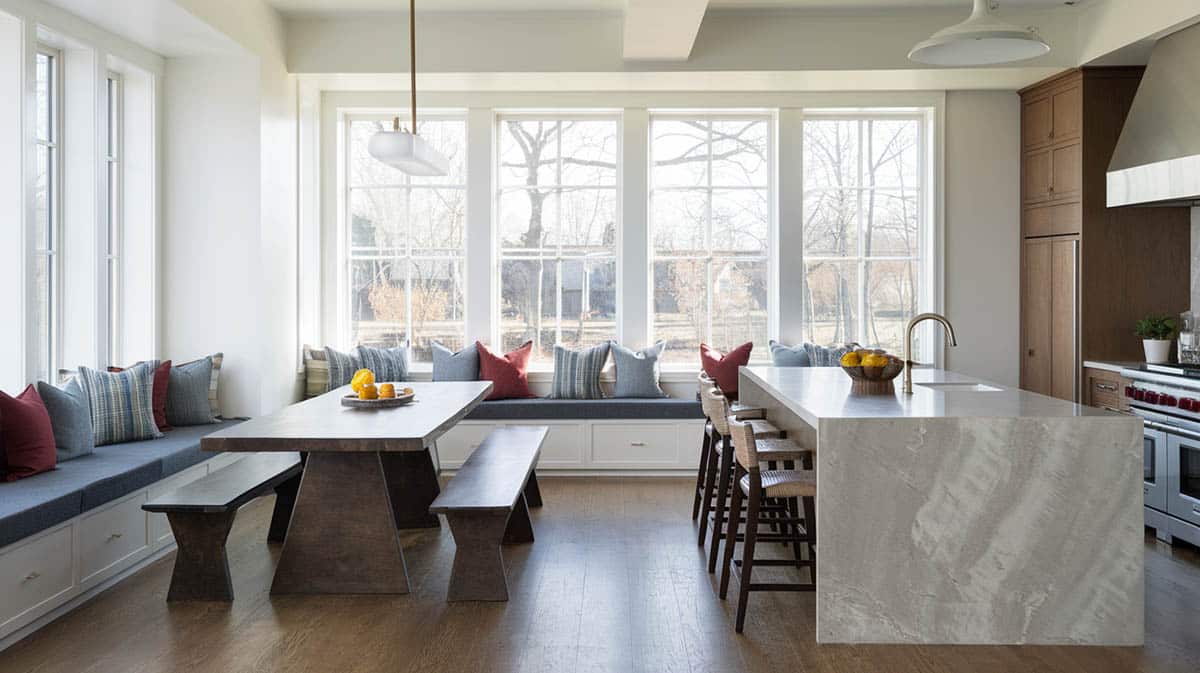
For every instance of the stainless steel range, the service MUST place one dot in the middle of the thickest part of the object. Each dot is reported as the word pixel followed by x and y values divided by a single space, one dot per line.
pixel 1167 397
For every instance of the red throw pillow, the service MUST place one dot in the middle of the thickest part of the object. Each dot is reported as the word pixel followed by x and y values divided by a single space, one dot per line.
pixel 506 372
pixel 723 368
pixel 26 435
pixel 158 393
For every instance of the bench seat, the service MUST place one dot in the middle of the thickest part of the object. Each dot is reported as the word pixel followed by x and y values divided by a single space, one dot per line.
pixel 545 409
pixel 33 504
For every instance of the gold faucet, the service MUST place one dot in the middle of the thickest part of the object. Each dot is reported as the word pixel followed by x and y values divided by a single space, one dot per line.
pixel 908 336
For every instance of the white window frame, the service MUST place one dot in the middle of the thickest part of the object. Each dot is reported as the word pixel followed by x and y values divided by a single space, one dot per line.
pixel 114 220
pixel 771 254
pixel 54 206
pixel 926 291
pixel 345 319
pixel 615 116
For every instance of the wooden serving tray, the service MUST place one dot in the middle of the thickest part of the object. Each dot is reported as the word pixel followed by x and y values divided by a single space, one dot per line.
pixel 353 402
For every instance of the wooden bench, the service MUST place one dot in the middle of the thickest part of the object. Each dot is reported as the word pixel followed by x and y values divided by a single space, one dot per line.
pixel 487 504
pixel 201 514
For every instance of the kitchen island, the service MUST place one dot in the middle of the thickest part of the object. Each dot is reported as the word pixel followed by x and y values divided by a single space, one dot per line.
pixel 967 512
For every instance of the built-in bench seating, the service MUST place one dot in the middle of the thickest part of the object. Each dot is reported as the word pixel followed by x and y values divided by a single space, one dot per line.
pixel 541 408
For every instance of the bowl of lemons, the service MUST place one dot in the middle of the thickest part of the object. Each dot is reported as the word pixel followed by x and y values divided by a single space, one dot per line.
pixel 872 370
pixel 369 395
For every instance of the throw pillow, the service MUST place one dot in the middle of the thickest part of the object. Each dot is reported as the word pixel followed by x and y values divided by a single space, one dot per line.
pixel 723 367
pixel 316 372
pixel 506 372
pixel 341 367
pixel 187 395
pixel 389 364
pixel 162 379
pixel 637 371
pixel 122 403
pixel 577 373
pixel 827 356
pixel 451 366
pixel 789 356
pixel 27 433
pixel 70 417
pixel 214 402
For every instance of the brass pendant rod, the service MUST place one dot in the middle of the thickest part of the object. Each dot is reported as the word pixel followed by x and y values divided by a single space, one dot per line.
pixel 412 43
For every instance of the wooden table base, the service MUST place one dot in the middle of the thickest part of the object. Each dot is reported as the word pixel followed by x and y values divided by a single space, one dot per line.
pixel 412 485
pixel 342 538
pixel 478 571
pixel 201 566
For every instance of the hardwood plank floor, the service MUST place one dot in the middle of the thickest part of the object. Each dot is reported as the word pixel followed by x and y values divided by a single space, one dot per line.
pixel 615 583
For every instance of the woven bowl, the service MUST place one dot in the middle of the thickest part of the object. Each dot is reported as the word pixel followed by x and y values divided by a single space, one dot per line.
pixel 874 380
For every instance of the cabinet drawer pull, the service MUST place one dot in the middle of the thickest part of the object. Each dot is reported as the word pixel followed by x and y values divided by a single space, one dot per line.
pixel 115 536
pixel 637 443
pixel 1106 386
pixel 31 577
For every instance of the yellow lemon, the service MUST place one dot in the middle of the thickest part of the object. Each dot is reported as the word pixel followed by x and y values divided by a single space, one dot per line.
pixel 368 392
pixel 387 391
pixel 361 378
pixel 850 359
pixel 875 361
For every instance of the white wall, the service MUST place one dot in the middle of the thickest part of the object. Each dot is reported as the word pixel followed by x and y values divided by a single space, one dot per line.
pixel 982 232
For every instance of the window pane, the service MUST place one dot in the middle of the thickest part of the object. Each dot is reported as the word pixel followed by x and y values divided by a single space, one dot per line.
pixel 831 305
pixel 438 217
pixel 740 154
pixel 113 117
pixel 377 218
pixel 114 206
pixel 589 221
pixel 740 221
pixel 891 224
pixel 895 153
pixel 680 151
pixel 739 304
pixel 831 222
pixel 437 310
pixel 589 302
pixel 43 315
pixel 114 323
pixel 678 221
pixel 45 85
pixel 830 153
pixel 891 301
pixel 589 150
pixel 528 153
pixel 528 301
pixel 528 219
pixel 42 200
pixel 378 302
pixel 450 138
pixel 681 307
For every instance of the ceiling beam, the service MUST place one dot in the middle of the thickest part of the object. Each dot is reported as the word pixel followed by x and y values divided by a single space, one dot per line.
pixel 662 30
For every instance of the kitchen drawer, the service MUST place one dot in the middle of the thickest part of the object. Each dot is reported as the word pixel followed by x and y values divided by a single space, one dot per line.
pixel 109 537
pixel 1104 389
pixel 635 445
pixel 564 444
pixel 33 574
pixel 1053 220
pixel 459 442
pixel 158 529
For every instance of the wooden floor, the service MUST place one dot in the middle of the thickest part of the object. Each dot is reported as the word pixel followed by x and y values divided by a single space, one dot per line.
pixel 615 582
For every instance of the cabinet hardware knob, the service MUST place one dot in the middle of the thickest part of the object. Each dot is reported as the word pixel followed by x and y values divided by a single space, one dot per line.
pixel 637 443
pixel 32 576
pixel 1030 352
pixel 114 536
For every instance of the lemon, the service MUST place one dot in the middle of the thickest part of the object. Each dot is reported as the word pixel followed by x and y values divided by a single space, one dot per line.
pixel 368 392
pixel 850 359
pixel 361 378
pixel 387 391
pixel 875 361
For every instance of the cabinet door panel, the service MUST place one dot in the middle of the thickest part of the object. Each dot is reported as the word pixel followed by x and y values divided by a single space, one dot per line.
pixel 1053 220
pixel 1066 177
pixel 1036 314
pixel 1068 113
pixel 1037 122
pixel 1064 371
pixel 1037 175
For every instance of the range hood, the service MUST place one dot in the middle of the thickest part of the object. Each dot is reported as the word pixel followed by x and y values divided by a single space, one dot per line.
pixel 1157 159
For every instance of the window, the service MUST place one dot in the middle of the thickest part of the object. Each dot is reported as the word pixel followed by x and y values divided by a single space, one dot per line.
pixel 864 204
pixel 113 215
pixel 711 214
pixel 47 215
pixel 405 242
pixel 558 227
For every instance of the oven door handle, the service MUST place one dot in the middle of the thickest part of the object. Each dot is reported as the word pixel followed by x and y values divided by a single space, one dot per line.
pixel 1172 430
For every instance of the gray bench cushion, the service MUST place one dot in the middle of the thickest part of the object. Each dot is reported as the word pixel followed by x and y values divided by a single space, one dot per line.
pixel 608 409
pixel 36 503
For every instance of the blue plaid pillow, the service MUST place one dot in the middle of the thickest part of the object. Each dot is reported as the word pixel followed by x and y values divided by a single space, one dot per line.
pixel 389 364
pixel 122 403
pixel 341 367
pixel 577 373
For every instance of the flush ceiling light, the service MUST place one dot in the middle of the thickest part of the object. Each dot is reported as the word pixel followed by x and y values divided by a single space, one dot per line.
pixel 399 148
pixel 982 39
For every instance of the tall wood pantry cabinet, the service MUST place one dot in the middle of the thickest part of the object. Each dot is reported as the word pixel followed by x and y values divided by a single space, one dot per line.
pixel 1088 272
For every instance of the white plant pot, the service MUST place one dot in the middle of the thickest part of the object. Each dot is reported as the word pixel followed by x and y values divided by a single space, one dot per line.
pixel 1157 350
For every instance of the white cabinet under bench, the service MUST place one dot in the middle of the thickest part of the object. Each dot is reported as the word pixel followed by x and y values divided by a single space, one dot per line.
pixel 52 571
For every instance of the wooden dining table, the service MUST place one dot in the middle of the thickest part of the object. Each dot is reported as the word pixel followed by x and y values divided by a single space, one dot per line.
pixel 368 474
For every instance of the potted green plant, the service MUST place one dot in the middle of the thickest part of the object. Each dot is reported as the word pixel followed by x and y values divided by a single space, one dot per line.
pixel 1157 332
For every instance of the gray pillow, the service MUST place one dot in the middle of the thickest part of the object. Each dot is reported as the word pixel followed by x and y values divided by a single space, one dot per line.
pixel 388 364
pixel 826 356
pixel 121 403
pixel 789 356
pixel 637 371
pixel 187 394
pixel 451 366
pixel 577 373
pixel 71 418
pixel 341 367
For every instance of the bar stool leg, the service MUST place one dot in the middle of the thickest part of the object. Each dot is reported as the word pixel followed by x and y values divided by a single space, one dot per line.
pixel 747 556
pixel 722 488
pixel 704 449
pixel 735 515
pixel 810 527
pixel 710 478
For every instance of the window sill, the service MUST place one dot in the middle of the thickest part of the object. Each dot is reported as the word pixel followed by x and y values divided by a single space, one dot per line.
pixel 423 371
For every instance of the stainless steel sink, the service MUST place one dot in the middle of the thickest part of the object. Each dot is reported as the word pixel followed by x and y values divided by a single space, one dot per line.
pixel 947 387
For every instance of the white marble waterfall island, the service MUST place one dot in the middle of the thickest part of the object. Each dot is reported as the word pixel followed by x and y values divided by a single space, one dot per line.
pixel 957 515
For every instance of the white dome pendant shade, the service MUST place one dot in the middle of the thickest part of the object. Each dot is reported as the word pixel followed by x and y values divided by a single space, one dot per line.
pixel 982 39
pixel 399 148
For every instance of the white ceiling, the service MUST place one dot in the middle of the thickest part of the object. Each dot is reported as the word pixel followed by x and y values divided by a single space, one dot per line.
pixel 618 5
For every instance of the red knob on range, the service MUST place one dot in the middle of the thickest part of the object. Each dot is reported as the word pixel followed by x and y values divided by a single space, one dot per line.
pixel 1139 394
pixel 1129 391
pixel 1168 400
pixel 1187 404
pixel 1151 397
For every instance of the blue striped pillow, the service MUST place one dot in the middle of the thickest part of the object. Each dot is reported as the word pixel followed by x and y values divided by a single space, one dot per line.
pixel 122 403
pixel 577 373
pixel 341 367
pixel 389 364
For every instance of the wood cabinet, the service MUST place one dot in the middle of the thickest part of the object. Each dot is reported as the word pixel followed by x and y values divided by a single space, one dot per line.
pixel 1087 272
pixel 1104 389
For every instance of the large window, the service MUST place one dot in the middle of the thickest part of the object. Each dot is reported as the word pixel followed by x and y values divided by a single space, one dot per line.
pixel 405 242
pixel 864 202
pixel 113 215
pixel 47 216
pixel 558 228
pixel 711 214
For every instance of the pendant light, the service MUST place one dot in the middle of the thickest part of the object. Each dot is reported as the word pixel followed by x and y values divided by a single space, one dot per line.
pixel 983 39
pixel 400 148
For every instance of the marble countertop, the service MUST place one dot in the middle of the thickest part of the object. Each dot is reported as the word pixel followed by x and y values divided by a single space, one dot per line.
pixel 1111 365
pixel 821 393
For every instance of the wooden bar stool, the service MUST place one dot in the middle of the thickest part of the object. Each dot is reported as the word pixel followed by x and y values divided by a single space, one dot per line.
pixel 704 384
pixel 754 488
